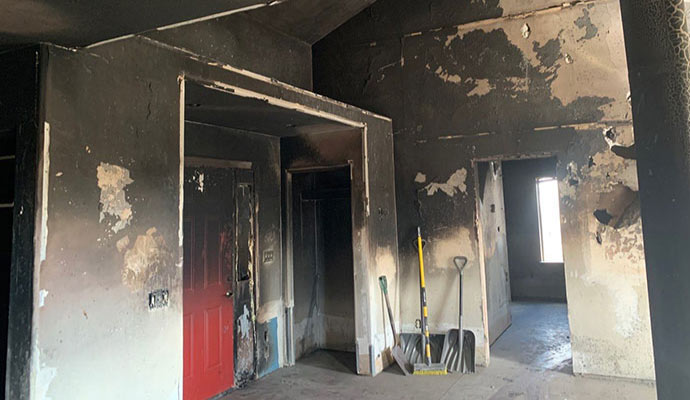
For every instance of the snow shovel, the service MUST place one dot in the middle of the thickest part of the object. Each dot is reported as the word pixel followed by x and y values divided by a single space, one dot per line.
pixel 398 353
pixel 467 339
pixel 452 344
pixel 426 367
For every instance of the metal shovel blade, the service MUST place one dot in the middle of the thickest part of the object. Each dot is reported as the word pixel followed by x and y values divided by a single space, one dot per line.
pixel 452 348
pixel 400 359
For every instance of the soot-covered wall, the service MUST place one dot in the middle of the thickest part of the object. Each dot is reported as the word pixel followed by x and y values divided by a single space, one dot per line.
pixel 530 278
pixel 109 231
pixel 19 116
pixel 368 152
pixel 109 227
pixel 506 78
pixel 323 262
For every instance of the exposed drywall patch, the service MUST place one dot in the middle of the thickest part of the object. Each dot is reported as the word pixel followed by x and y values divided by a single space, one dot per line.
pixel 608 164
pixel 198 178
pixel 243 323
pixel 420 178
pixel 112 180
pixel 144 258
pixel 568 186
pixel 618 207
pixel 447 77
pixel 454 184
pixel 42 294
pixel 122 244
pixel 482 87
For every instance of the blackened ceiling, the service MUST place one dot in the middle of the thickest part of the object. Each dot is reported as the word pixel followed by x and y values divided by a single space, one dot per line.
pixel 76 23
pixel 83 22
pixel 215 107
pixel 309 20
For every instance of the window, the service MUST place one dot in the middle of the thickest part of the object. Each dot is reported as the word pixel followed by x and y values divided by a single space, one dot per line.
pixel 549 220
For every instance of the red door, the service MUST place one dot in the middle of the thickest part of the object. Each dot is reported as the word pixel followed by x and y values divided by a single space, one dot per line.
pixel 208 282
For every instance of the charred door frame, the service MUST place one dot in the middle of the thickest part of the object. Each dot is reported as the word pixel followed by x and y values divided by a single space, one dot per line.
pixel 370 356
pixel 217 163
pixel 478 229
pixel 237 166
pixel 289 253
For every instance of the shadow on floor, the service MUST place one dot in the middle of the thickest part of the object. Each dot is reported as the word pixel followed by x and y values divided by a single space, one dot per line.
pixel 531 361
pixel 538 337
pixel 339 361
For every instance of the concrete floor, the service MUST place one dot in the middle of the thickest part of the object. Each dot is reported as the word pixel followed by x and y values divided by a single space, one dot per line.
pixel 531 360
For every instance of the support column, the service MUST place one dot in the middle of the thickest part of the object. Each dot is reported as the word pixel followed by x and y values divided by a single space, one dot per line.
pixel 656 40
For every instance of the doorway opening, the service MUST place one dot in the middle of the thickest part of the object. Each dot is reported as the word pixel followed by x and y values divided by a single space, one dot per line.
pixel 324 304
pixel 234 138
pixel 7 174
pixel 521 244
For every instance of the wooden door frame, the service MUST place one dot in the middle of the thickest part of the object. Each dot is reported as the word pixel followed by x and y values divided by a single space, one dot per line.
pixel 368 351
pixel 194 161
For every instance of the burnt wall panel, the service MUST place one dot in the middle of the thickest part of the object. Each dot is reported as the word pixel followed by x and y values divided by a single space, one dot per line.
pixel 530 279
pixel 112 206
pixel 493 245
pixel 239 41
pixel 369 152
pixel 491 87
pixel 19 132
pixel 112 232
pixel 323 262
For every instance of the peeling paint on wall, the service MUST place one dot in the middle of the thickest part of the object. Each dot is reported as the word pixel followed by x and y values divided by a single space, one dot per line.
pixel 144 258
pixel 447 77
pixel 122 244
pixel 420 178
pixel 454 184
pixel 482 87
pixel 42 297
pixel 243 323
pixel 112 180
pixel 198 178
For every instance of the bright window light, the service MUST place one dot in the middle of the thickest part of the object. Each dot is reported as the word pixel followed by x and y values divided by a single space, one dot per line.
pixel 549 220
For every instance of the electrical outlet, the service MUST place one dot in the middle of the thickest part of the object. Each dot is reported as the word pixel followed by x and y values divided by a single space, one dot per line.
pixel 158 299
pixel 268 256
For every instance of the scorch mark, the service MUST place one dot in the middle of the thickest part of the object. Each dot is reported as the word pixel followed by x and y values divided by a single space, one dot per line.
pixel 144 258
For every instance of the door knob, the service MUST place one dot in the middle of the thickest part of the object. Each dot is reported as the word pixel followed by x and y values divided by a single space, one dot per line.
pixel 228 294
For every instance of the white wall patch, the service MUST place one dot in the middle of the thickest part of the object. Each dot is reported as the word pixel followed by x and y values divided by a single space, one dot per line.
pixel 112 180
pixel 454 184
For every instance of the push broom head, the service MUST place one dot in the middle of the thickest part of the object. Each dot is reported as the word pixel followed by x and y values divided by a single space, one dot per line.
pixel 431 369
